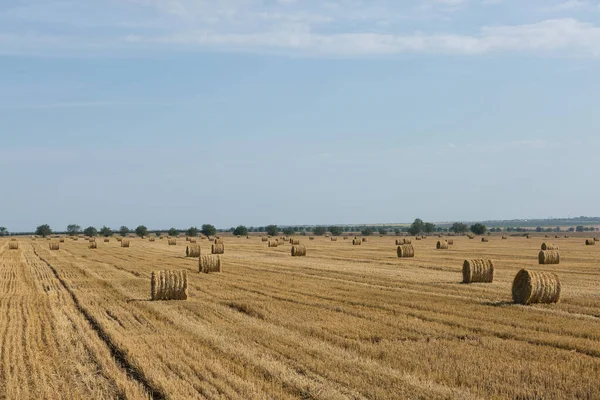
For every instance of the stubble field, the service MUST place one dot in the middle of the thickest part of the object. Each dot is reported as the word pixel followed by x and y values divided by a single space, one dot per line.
pixel 344 322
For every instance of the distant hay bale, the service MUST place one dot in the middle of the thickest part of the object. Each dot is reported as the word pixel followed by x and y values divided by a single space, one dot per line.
pixel 172 242
pixel 549 246
pixel 400 241
pixel 365 239
pixel 192 250
pixel 91 239
pixel 478 270
pixel 484 239
pixel 528 237
pixel 273 243
pixel 549 257
pixel 294 242
pixel 192 240
pixel 345 237
pixel 13 245
pixel 418 238
pixel 218 241
pixel 298 251
pixel 93 245
pixel 124 242
pixel 54 246
pixel 152 239
pixel 406 250
pixel 535 287
pixel 441 245
pixel 264 239
pixel 13 239
pixel 119 239
pixel 209 263
pixel 311 238
pixel 555 236
pixel 471 236
pixel 217 249
pixel 161 237
pixel 356 242
pixel 334 239
pixel 106 240
pixel 596 239
pixel 169 285
pixel 504 238
pixel 590 242
pixel 566 236
pixel 61 240
pixel 450 242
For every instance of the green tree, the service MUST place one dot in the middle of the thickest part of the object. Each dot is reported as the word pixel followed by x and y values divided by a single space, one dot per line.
pixel 366 231
pixel 173 232
pixel 478 229
pixel 73 229
pixel 336 230
pixel 208 230
pixel 459 227
pixel 397 231
pixel 289 231
pixel 193 231
pixel 272 230
pixel 141 231
pixel 240 231
pixel 3 231
pixel 579 228
pixel 43 230
pixel 319 230
pixel 124 231
pixel 428 227
pixel 416 227
pixel 383 231
pixel 90 231
pixel 106 231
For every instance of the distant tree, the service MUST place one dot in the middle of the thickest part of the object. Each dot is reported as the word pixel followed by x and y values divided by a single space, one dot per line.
pixel 192 231
pixel 289 231
pixel 106 231
pixel 208 230
pixel 417 227
pixel 272 230
pixel 141 231
pixel 43 230
pixel 557 229
pixel 571 229
pixel 3 231
pixel 319 230
pixel 383 231
pixel 241 231
pixel 579 228
pixel 478 229
pixel 173 232
pixel 90 231
pixel 429 227
pixel 397 231
pixel 124 231
pixel 260 229
pixel 538 229
pixel 336 230
pixel 459 227
pixel 73 229
pixel 367 231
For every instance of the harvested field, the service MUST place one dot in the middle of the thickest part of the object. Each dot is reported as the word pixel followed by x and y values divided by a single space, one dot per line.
pixel 345 322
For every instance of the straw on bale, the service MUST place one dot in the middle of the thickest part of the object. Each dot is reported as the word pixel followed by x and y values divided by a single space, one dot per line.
pixel 294 241
pixel 13 245
pixel 217 249
pixel 169 285
pixel 218 241
pixel 334 239
pixel 273 243
pixel 192 250
pixel 478 270
pixel 209 263
pixel 450 242
pixel 106 240
pixel 54 246
pixel 441 245
pixel 298 251
pixel 484 239
pixel 356 242
pixel 124 242
pixel 549 246
pixel 590 242
pixel 406 250
pixel 172 242
pixel 264 239
pixel 535 287
pixel 93 245
pixel 549 257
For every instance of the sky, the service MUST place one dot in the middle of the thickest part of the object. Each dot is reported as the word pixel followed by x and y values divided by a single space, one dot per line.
pixel 254 112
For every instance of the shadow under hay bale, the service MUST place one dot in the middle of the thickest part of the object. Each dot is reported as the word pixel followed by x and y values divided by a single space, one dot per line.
pixel 217 249
pixel 478 270
pixel 209 264
pixel 298 251
pixel 549 257
pixel 406 250
pixel 535 287
pixel 193 250
pixel 169 285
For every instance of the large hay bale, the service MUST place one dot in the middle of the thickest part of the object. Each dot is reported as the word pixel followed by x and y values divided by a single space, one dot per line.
pixel 590 242
pixel 124 242
pixel 549 246
pixel 294 242
pixel 441 245
pixel 273 243
pixel 218 241
pixel 193 250
pixel 356 242
pixel 217 249
pixel 169 285
pixel 298 251
pixel 549 257
pixel 478 270
pixel 172 242
pixel 209 263
pixel 406 250
pixel 484 239
pixel 93 245
pixel 535 287
pixel 13 245
pixel 54 246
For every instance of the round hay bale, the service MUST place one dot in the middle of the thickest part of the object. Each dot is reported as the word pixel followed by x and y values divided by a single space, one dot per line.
pixel 356 242
pixel 152 239
pixel 298 251
pixel 192 250
pixel 273 243
pixel 209 264
pixel 590 242
pixel 555 236
pixel 294 241
pixel 106 240
pixel 535 287
pixel 484 239
pixel 441 245
pixel 13 245
pixel 406 250
pixel 549 246
pixel 219 241
pixel 311 238
pixel 124 242
pixel 172 242
pixel 566 236
pixel 450 242
pixel 93 245
pixel 528 237
pixel 61 240
pixel 504 238
pixel 192 240
pixel 401 242
pixel 365 239
pixel 264 239
pixel 549 257
pixel 54 246
pixel 417 238
pixel 345 237
pixel 169 285
pixel 478 270
pixel 217 249
pixel 334 239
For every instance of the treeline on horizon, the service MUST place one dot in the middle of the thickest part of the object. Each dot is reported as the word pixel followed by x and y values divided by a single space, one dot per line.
pixel 416 228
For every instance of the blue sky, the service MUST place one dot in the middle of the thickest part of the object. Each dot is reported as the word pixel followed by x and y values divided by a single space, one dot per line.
pixel 183 112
